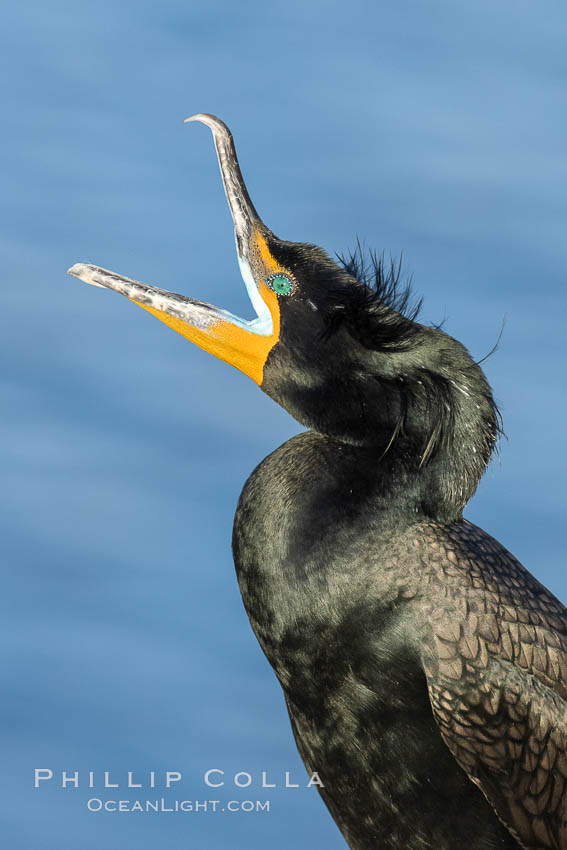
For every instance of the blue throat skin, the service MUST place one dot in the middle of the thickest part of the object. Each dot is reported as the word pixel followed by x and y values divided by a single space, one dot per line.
pixel 424 669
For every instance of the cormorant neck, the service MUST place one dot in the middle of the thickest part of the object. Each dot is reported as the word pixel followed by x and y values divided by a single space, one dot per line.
pixel 425 458
pixel 421 413
pixel 392 486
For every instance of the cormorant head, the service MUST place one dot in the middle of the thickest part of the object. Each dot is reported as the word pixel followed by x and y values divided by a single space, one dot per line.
pixel 344 357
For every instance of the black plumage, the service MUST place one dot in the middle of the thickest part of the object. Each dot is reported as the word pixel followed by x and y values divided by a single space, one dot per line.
pixel 424 669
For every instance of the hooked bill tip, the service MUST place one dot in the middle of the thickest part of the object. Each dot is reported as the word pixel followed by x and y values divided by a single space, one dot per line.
pixel 210 120
pixel 204 117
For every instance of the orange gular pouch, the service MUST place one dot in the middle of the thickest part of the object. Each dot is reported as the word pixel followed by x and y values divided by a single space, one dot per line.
pixel 242 348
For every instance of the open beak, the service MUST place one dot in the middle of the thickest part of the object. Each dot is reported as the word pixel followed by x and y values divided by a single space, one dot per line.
pixel 241 343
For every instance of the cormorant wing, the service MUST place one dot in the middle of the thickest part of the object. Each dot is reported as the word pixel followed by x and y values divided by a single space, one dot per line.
pixel 497 680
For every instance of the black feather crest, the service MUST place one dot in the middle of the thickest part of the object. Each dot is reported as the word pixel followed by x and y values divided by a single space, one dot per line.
pixel 378 308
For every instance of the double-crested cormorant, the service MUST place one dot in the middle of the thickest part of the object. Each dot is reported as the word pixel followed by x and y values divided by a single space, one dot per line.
pixel 424 669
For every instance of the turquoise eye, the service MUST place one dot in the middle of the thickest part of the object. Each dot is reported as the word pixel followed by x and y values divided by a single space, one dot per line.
pixel 281 284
